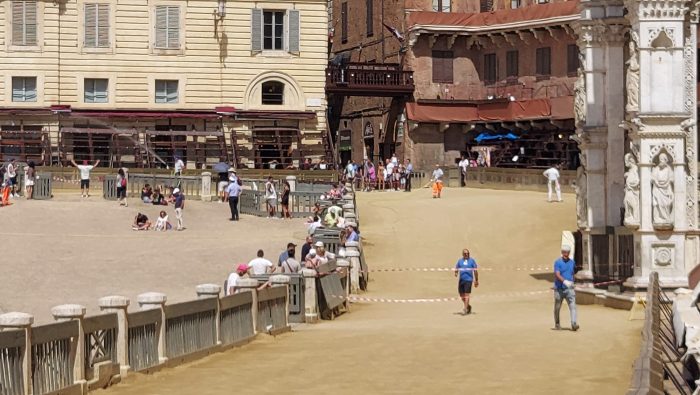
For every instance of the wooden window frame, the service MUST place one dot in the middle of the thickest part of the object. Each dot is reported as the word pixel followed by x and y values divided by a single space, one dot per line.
pixel 344 22
pixel 513 62
pixel 166 82
pixel 543 63
pixel 370 17
pixel 93 82
pixel 490 68
pixel 24 89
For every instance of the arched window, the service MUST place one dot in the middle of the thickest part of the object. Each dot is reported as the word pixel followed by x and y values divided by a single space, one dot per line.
pixel 273 93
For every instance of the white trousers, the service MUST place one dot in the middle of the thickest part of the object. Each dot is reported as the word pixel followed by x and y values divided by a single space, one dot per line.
pixel 556 187
pixel 178 215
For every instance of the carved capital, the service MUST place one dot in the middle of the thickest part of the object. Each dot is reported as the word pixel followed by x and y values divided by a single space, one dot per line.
pixel 591 34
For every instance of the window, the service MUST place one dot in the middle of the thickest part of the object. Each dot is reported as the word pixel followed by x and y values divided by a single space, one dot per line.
pixel 542 1
pixel 514 4
pixel 96 25
pixel 441 5
pixel 370 18
pixel 96 90
pixel 344 23
pixel 275 30
pixel 167 27
pixel 167 91
pixel 23 89
pixel 273 93
pixel 512 64
pixel 572 62
pixel 442 66
pixel 543 59
pixel 24 26
pixel 490 68
pixel 486 5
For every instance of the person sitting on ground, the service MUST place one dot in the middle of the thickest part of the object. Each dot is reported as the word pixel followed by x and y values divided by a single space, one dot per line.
pixel 141 222
pixel 162 223
pixel 231 284
pixel 311 262
pixel 158 199
pixel 260 265
pixel 147 194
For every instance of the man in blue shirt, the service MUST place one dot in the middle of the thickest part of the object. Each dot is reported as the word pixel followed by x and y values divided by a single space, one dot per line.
pixel 564 287
pixel 466 270
pixel 231 193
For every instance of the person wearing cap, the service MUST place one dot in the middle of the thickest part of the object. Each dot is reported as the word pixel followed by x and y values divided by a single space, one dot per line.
pixel 466 270
pixel 437 182
pixel 564 287
pixel 323 255
pixel 312 261
pixel 179 199
pixel 231 194
pixel 230 286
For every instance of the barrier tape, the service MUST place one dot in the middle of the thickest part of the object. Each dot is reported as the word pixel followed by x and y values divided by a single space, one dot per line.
pixel 446 269
pixel 353 298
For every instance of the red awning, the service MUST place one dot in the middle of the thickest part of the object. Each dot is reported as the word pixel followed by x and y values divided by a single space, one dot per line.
pixel 491 112
pixel 533 13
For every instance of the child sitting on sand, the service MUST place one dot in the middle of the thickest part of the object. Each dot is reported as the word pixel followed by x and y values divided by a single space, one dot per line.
pixel 141 222
pixel 162 223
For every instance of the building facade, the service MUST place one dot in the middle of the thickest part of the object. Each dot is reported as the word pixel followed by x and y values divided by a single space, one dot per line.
pixel 135 83
pixel 494 79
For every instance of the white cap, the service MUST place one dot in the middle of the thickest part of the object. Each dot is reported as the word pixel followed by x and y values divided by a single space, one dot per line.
pixel 318 244
pixel 566 248
pixel 312 253
pixel 176 190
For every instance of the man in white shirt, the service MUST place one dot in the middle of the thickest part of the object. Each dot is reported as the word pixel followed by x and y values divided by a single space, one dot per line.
pixel 552 175
pixel 179 166
pixel 231 286
pixel 437 182
pixel 463 165
pixel 270 197
pixel 389 173
pixel 260 265
pixel 85 170
pixel 12 176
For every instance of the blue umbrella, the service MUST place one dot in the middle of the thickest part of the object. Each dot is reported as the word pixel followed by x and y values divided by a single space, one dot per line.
pixel 221 167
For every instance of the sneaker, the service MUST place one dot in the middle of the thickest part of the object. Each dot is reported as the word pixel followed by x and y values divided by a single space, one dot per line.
pixel 557 327
pixel 574 327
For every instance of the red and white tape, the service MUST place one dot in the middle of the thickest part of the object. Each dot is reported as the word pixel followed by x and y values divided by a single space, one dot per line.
pixel 447 269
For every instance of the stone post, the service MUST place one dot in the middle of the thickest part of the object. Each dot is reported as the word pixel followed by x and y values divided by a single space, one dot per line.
pixel 23 322
pixel 119 304
pixel 251 285
pixel 69 312
pixel 292 180
pixel 210 291
pixel 345 265
pixel 353 257
pixel 310 299
pixel 282 280
pixel 206 186
pixel 156 300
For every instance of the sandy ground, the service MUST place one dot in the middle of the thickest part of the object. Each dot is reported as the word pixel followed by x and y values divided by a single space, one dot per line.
pixel 73 250
pixel 507 346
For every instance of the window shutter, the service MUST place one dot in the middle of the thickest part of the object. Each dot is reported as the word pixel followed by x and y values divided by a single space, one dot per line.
pixel 447 67
pixel 173 27
pixel 18 22
pixel 90 25
pixel 293 16
pixel 256 30
pixel 161 26
pixel 344 23
pixel 103 25
pixel 30 22
pixel 370 18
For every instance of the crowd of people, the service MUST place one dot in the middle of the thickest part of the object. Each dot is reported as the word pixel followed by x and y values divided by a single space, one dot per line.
pixel 388 175
pixel 155 197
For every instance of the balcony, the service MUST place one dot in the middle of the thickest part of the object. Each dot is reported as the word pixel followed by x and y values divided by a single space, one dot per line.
pixel 369 79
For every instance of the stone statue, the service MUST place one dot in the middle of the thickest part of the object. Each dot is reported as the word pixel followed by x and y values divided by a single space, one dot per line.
pixel 581 197
pixel 662 193
pixel 580 98
pixel 631 200
pixel 633 76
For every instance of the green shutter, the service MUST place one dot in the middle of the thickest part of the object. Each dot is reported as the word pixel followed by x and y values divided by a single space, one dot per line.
pixel 256 30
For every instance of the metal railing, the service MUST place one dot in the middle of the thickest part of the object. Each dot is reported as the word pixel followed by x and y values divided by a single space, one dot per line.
pixel 143 339
pixel 52 346
pixel 100 341
pixel 190 327
pixel 369 77
pixel 301 204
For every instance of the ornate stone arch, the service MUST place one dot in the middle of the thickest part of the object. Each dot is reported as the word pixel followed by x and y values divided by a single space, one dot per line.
pixel 293 94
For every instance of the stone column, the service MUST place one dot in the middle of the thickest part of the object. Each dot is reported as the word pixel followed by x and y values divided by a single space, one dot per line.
pixel 119 305
pixel 206 187
pixel 353 257
pixel 212 291
pixel 310 298
pixel 292 180
pixel 156 300
pixel 23 322
pixel 69 312
pixel 282 280
pixel 251 285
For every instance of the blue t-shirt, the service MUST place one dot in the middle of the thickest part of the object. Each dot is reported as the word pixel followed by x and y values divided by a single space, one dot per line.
pixel 179 200
pixel 466 275
pixel 566 269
